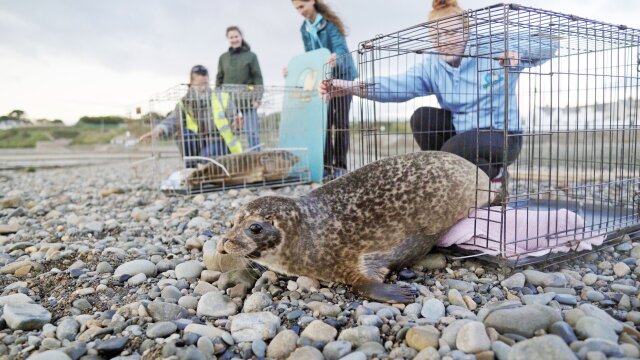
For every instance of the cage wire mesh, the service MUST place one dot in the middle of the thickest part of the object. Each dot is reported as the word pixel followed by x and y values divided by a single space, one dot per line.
pixel 227 137
pixel 545 103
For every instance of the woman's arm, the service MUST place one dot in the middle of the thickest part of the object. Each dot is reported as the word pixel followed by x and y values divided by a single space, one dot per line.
pixel 170 124
pixel 254 69
pixel 415 82
pixel 220 75
pixel 538 49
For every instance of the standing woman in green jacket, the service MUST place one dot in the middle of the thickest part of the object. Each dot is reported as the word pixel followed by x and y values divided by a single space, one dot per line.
pixel 239 66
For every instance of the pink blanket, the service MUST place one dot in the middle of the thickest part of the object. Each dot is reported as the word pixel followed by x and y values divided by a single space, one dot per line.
pixel 526 233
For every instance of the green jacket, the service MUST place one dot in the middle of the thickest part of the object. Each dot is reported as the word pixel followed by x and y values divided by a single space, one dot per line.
pixel 238 66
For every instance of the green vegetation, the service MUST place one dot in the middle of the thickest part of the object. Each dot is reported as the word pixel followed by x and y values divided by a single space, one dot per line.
pixel 21 137
pixel 89 130
pixel 106 121
pixel 27 137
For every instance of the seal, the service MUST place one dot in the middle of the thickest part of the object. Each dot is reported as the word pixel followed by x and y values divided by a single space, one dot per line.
pixel 356 229
pixel 245 168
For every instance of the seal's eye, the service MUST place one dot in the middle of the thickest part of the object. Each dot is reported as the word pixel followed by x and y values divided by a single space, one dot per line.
pixel 255 228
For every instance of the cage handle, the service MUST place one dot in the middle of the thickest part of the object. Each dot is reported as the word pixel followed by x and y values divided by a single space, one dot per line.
pixel 210 160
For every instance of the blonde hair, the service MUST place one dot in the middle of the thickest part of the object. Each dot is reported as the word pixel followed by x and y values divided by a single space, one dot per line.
pixel 329 15
pixel 444 8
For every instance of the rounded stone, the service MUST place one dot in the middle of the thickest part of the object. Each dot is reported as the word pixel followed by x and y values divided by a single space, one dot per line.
pixel 320 331
pixel 161 329
pixel 432 310
pixel 621 269
pixel 205 345
pixel 135 267
pixel 514 281
pixel 472 338
pixel 188 302
pixel 104 268
pixel 257 302
pixel 420 337
pixel 542 347
pixel 450 333
pixel 26 316
pixel 307 284
pixel 283 344
pixel 539 278
pixel 530 318
pixel 170 292
pixel 590 327
pixel 259 348
pixel 189 270
pixel 360 334
pixel 67 329
pixel 336 350
pixel 254 326
pixel 50 355
pixel 306 353
pixel 590 279
pixel 563 330
pixel 216 305
pixel 434 261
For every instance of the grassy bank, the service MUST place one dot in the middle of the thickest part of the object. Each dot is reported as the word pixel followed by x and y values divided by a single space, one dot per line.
pixel 27 137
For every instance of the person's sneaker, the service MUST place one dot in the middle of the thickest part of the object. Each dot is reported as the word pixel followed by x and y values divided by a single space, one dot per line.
pixel 337 172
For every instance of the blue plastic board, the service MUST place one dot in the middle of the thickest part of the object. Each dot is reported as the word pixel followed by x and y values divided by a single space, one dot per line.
pixel 303 120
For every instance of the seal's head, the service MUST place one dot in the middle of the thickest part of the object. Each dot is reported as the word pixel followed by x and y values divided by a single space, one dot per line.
pixel 260 228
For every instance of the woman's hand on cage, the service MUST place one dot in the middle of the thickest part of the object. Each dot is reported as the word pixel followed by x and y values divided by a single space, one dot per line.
pixel 255 104
pixel 151 135
pixel 331 88
pixel 510 58
pixel 332 60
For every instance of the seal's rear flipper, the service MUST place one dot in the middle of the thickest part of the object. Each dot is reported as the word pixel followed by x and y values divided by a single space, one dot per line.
pixel 392 293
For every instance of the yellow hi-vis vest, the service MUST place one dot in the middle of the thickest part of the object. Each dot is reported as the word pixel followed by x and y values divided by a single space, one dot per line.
pixel 218 108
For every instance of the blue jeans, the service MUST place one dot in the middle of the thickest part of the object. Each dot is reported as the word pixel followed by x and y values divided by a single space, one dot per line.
pixel 193 144
pixel 251 127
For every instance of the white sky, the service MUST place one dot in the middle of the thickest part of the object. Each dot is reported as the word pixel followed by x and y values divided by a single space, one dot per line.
pixel 69 58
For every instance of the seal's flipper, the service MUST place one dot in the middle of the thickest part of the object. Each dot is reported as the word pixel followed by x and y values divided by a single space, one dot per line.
pixel 392 293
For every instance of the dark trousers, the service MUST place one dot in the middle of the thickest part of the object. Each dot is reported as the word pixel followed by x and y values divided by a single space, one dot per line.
pixel 433 130
pixel 337 141
pixel 192 144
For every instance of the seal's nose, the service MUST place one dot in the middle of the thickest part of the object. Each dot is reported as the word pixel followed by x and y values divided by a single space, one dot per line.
pixel 220 246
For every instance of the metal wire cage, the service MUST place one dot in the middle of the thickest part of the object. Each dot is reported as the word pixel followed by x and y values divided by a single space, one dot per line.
pixel 227 137
pixel 545 103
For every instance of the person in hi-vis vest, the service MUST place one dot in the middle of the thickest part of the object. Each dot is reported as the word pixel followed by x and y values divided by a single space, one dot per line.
pixel 201 122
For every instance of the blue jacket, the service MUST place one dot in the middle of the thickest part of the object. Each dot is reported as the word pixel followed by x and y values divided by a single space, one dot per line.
pixel 335 42
pixel 474 91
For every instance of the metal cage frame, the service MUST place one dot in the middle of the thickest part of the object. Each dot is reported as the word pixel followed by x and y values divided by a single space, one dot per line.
pixel 574 90
pixel 260 163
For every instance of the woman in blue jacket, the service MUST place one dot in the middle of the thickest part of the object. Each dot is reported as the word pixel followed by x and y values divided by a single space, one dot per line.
pixel 322 28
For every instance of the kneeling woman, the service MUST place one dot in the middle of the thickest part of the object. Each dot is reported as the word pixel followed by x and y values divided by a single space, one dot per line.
pixel 471 121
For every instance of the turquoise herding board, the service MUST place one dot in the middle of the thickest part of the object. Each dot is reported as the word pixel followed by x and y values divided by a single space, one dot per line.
pixel 303 121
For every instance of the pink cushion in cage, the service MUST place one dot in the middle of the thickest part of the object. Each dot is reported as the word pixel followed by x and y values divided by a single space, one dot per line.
pixel 526 232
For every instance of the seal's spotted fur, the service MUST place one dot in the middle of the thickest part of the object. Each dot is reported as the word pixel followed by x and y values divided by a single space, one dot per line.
pixel 383 216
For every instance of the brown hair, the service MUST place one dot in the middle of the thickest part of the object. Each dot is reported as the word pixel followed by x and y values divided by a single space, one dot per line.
pixel 235 28
pixel 444 8
pixel 329 14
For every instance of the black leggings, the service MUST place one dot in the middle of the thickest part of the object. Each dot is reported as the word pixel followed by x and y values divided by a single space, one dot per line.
pixel 337 141
pixel 433 130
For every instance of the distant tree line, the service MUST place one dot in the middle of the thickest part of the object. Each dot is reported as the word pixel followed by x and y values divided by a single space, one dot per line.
pixel 19 115
pixel 102 120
